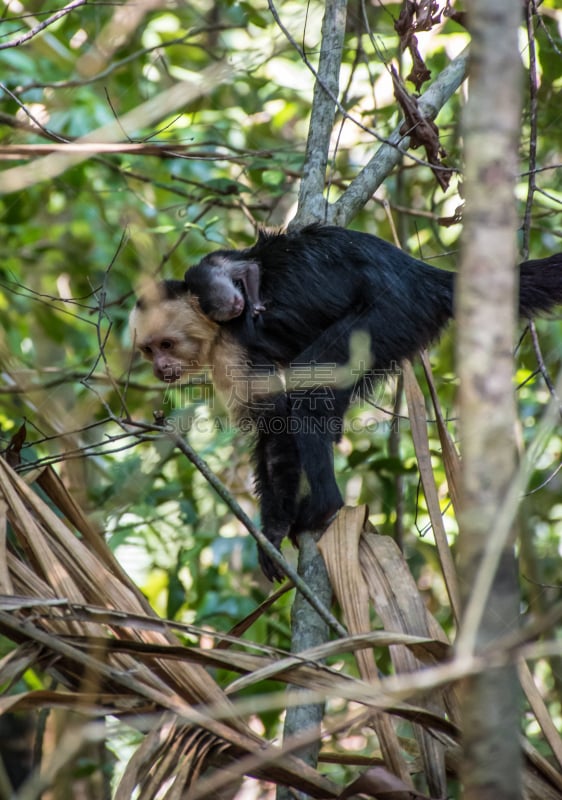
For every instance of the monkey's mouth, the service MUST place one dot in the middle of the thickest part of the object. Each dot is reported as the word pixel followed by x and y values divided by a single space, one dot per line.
pixel 237 307
pixel 171 374
pixel 175 373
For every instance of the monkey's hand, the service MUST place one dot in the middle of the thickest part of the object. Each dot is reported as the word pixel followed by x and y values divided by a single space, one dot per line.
pixel 257 308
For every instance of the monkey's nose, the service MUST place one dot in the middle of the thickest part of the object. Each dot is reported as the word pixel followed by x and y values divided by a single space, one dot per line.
pixel 168 373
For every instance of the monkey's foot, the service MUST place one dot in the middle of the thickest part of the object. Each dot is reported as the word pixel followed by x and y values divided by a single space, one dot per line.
pixel 306 521
pixel 269 567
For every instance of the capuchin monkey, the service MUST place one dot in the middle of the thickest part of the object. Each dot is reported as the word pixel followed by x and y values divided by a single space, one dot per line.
pixel 213 282
pixel 282 371
pixel 171 331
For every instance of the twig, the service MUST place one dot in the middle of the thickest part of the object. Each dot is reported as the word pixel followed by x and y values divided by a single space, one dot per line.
pixel 530 11
pixel 238 512
pixel 391 141
pixel 117 65
pixel 42 25
pixel 49 134
pixel 390 153
pixel 542 366
pixel 502 527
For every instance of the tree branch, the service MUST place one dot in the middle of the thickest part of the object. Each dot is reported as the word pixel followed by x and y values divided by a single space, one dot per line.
pixel 42 25
pixel 311 204
pixel 391 152
pixel 308 630
pixel 238 512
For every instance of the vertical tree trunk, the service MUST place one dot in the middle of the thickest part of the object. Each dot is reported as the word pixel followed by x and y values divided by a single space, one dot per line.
pixel 308 630
pixel 486 313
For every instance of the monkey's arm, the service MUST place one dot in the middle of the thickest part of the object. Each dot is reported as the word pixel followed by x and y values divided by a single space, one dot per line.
pixel 250 277
pixel 277 476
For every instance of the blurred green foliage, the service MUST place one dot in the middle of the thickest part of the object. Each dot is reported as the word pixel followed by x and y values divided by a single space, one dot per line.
pixel 76 246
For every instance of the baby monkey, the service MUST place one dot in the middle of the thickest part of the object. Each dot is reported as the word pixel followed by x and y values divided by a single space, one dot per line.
pixel 213 281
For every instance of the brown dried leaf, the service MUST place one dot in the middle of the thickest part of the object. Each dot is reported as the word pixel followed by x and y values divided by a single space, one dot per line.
pixel 51 562
pixel 423 132
pixel 427 14
pixel 398 603
pixel 419 73
pixel 377 570
pixel 416 16
pixel 404 25
pixel 13 451
pixel 378 782
pixel 339 546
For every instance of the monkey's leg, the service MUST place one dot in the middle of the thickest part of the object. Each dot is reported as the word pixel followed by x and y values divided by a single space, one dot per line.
pixel 278 470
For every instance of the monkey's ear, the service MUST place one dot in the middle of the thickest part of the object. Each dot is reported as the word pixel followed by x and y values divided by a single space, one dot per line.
pixel 174 290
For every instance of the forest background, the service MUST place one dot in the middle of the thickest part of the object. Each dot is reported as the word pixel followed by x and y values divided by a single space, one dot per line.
pixel 136 138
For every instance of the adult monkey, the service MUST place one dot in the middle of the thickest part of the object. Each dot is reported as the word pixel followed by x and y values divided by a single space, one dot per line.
pixel 319 286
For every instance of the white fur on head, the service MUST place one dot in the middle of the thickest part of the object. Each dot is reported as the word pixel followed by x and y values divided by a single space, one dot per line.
pixel 176 324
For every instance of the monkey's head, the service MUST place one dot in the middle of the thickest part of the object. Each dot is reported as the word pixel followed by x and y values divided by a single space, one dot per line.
pixel 212 280
pixel 224 300
pixel 170 330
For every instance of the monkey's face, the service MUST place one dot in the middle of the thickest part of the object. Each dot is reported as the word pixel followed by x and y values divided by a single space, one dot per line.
pixel 174 335
pixel 226 300
pixel 169 357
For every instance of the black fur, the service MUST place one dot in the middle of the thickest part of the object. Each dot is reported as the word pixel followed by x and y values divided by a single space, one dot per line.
pixel 320 285
pixel 197 281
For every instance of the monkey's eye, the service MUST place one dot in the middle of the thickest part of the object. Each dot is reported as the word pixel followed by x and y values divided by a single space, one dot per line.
pixel 146 349
pixel 166 344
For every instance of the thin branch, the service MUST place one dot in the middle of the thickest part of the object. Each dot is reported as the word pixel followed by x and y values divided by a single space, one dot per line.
pixel 391 151
pixel 156 108
pixel 42 25
pixel 507 512
pixel 541 486
pixel 137 55
pixel 49 134
pixel 542 366
pixel 101 295
pixel 239 512
pixel 391 141
pixel 530 12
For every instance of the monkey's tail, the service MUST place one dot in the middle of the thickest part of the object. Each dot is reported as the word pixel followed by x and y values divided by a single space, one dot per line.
pixel 540 285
